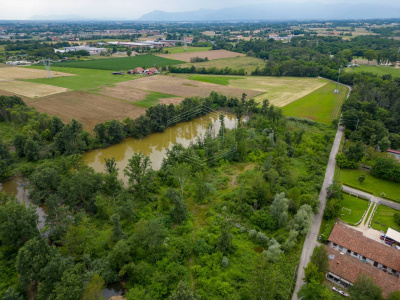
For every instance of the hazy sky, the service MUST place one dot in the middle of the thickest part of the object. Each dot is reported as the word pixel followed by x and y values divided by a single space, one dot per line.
pixel 131 9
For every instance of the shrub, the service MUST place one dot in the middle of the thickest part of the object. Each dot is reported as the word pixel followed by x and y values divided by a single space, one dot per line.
pixel 252 234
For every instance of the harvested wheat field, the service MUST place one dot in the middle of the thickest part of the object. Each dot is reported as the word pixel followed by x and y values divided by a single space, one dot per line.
pixel 182 87
pixel 89 109
pixel 211 54
pixel 280 91
pixel 13 73
pixel 30 89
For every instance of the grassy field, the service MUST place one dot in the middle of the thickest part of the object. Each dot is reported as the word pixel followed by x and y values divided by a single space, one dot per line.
pixel 384 218
pixel 84 79
pixel 120 64
pixel 357 206
pixel 321 105
pixel 222 80
pixel 378 70
pixel 211 54
pixel 181 49
pixel 152 98
pixel 280 91
pixel 371 184
pixel 247 63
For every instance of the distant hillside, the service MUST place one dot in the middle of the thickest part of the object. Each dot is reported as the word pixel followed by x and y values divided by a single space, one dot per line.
pixel 279 11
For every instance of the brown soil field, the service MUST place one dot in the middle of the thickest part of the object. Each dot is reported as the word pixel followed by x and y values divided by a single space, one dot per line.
pixel 183 87
pixel 363 61
pixel 13 73
pixel 173 100
pixel 211 54
pixel 89 109
pixel 127 93
pixel 30 89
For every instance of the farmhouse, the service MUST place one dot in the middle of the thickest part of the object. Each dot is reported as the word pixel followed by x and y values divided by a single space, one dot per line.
pixel 138 70
pixel 353 243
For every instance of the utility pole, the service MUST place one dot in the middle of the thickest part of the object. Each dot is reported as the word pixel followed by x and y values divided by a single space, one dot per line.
pixel 336 91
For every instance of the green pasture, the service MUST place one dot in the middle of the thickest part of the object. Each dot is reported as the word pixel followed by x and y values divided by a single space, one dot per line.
pixel 181 49
pixel 247 63
pixel 84 79
pixel 357 207
pixel 120 63
pixel 378 70
pixel 384 218
pixel 371 184
pixel 152 99
pixel 222 80
pixel 321 105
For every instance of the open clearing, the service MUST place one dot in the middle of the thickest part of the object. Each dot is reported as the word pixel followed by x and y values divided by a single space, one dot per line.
pixel 378 70
pixel 14 73
pixel 181 49
pixel 84 78
pixel 29 89
pixel 371 184
pixel 182 87
pixel 384 218
pixel 120 64
pixel 249 64
pixel 322 105
pixel 211 54
pixel 89 109
pixel 280 91
pixel 357 208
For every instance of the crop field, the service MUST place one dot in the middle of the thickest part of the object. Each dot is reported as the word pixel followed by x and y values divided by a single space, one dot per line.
pixel 249 64
pixel 378 70
pixel 211 54
pixel 87 108
pixel 181 87
pixel 121 64
pixel 29 89
pixel 322 105
pixel 84 78
pixel 280 91
pixel 181 49
pixel 14 73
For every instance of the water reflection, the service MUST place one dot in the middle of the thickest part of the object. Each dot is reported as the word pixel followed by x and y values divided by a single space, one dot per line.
pixel 155 146
pixel 19 187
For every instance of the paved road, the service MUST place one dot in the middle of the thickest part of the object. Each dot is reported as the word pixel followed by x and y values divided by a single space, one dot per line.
pixel 373 198
pixel 312 236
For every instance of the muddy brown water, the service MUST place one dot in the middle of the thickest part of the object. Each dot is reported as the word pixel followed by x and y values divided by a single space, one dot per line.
pixel 155 145
pixel 19 188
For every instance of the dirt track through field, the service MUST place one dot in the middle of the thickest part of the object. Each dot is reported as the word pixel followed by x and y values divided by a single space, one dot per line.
pixel 182 87
pixel 89 109
pixel 211 54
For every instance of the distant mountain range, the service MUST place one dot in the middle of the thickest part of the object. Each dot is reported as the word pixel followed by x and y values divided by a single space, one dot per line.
pixel 280 11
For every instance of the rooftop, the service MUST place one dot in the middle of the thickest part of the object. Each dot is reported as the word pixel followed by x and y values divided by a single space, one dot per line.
pixel 357 242
pixel 349 268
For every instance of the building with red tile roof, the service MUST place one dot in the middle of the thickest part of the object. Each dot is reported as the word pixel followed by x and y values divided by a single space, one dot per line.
pixel 344 270
pixel 353 243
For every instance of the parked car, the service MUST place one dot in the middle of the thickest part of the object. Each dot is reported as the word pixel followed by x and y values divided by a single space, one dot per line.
pixel 340 292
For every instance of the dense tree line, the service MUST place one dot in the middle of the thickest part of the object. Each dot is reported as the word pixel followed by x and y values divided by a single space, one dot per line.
pixel 203 70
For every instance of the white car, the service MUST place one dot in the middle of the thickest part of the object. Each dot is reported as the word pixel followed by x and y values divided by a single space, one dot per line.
pixel 340 292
